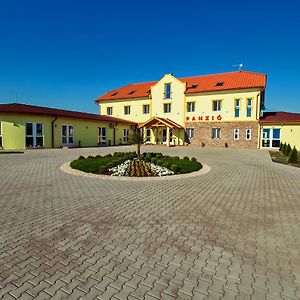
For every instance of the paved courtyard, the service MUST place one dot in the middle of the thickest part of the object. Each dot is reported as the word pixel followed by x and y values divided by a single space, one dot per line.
pixel 233 233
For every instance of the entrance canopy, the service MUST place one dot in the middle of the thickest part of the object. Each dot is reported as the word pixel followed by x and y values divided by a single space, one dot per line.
pixel 160 122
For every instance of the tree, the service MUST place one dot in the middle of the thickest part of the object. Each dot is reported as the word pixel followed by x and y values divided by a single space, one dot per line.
pixel 293 158
pixel 283 148
pixel 137 138
pixel 288 150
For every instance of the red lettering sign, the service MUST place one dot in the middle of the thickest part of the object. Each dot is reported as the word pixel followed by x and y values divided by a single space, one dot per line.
pixel 200 118
pixel 187 118
pixel 219 117
pixel 206 118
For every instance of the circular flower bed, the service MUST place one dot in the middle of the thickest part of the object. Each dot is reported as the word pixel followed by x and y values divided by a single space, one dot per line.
pixel 127 164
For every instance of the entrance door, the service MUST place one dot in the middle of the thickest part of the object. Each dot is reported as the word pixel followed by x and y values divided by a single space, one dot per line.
pixel 34 135
pixel 67 135
pixel 148 135
pixel 270 137
pixel 164 136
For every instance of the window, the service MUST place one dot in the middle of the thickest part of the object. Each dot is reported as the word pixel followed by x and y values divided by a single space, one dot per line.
pixel 146 109
pixel 109 111
pixel 190 133
pixel 237 108
pixel 194 86
pixel 125 136
pixel 167 90
pixel 271 137
pixel 217 105
pixel 67 135
pixel 114 94
pixel 248 134
pixel 132 92
pixel 167 107
pixel 1 144
pixel 127 110
pixel 216 133
pixel 34 135
pixel 220 83
pixel 249 108
pixel 236 134
pixel 102 135
pixel 276 137
pixel 190 106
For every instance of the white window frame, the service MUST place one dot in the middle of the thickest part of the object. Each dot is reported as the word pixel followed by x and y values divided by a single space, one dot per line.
pixel 190 106
pixel 146 111
pixel 68 135
pixel 190 133
pixel 168 95
pixel 236 134
pixel 109 110
pixel 35 134
pixel 167 111
pixel 101 136
pixel 271 138
pixel 216 136
pixel 1 136
pixel 127 110
pixel 249 107
pixel 125 135
pixel 237 107
pixel 248 134
pixel 218 106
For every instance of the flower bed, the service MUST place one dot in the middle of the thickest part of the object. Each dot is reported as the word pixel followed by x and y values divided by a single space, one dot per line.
pixel 127 164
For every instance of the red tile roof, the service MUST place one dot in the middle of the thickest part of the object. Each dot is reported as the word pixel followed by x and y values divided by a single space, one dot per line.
pixel 39 110
pixel 195 84
pixel 280 117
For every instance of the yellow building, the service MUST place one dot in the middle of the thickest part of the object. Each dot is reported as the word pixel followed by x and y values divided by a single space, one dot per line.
pixel 213 110
pixel 276 127
pixel 26 126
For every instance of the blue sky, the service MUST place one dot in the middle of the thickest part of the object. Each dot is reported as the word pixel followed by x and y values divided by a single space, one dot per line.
pixel 64 54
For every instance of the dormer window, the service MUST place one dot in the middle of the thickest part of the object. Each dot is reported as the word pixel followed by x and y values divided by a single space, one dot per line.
pixel 114 94
pixel 132 92
pixel 194 86
pixel 220 83
pixel 167 91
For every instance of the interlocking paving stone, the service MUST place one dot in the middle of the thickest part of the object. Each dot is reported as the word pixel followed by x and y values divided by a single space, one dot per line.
pixel 233 233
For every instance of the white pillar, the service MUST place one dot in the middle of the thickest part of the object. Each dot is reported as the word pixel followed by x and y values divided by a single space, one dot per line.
pixel 168 137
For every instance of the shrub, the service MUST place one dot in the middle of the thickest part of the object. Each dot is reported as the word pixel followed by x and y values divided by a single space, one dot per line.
pixel 154 160
pixel 167 164
pixel 186 158
pixel 283 148
pixel 108 155
pixel 174 168
pixel 293 157
pixel 176 157
pixel 288 150
pixel 193 159
pixel 98 156
pixel 81 157
pixel 102 170
pixel 280 146
pixel 160 162
pixel 90 156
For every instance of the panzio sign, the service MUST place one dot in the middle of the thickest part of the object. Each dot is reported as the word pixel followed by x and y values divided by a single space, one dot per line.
pixel 203 118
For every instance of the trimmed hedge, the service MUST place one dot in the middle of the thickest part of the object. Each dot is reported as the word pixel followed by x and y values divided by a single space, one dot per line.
pixel 181 166
pixel 100 164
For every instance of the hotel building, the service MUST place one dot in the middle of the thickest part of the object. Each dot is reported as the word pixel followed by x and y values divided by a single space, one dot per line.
pixel 218 110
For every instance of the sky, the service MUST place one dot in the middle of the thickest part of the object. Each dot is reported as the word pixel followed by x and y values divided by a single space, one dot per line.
pixel 66 53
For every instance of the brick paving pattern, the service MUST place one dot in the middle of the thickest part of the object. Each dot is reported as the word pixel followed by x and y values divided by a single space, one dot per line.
pixel 233 233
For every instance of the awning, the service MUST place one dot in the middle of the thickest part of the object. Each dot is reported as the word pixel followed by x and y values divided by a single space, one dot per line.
pixel 160 122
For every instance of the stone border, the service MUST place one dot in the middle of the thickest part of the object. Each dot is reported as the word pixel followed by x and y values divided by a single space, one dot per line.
pixel 67 169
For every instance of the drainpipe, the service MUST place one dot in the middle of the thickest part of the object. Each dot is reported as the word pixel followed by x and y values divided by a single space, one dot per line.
pixel 52 126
